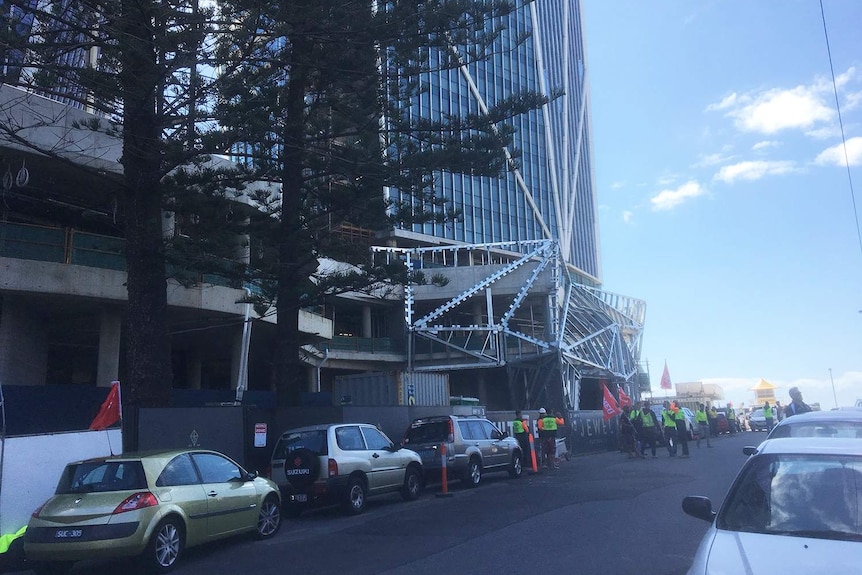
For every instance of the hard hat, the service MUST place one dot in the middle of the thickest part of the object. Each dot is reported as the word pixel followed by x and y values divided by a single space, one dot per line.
pixel 542 410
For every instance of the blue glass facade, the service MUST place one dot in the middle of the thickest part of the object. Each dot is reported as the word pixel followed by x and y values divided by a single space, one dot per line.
pixel 551 195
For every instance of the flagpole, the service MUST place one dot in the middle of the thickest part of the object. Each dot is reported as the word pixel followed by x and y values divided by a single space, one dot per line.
pixel 119 400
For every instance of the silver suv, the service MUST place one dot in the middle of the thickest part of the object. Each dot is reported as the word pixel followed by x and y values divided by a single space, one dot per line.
pixel 342 463
pixel 473 447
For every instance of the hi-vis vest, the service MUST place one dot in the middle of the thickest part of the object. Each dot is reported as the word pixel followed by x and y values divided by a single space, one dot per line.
pixel 700 416
pixel 549 423
pixel 518 426
pixel 767 412
pixel 648 418
pixel 731 414
pixel 668 418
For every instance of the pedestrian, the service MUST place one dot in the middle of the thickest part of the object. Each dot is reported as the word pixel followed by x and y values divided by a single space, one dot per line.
pixel 769 415
pixel 712 417
pixel 702 425
pixel 636 418
pixel 779 411
pixel 668 420
pixel 796 406
pixel 548 437
pixel 628 435
pixel 521 431
pixel 731 418
pixel 681 429
pixel 650 426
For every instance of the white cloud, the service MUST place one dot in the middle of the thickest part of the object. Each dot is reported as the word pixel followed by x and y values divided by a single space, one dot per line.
pixel 627 216
pixel 707 160
pixel 666 180
pixel 617 185
pixel 753 170
pixel 776 110
pixel 765 144
pixel 726 103
pixel 834 156
pixel 852 101
pixel 805 107
pixel 669 199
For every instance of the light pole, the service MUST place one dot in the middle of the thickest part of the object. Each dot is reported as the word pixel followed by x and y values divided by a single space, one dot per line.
pixel 835 397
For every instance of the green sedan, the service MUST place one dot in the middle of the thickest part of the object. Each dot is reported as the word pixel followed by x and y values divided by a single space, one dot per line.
pixel 151 505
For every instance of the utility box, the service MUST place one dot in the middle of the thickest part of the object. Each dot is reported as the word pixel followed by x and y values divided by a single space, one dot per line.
pixel 392 388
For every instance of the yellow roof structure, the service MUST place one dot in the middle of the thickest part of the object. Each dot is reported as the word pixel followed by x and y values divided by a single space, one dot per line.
pixel 763 385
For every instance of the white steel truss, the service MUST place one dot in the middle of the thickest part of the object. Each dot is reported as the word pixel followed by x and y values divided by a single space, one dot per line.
pixel 514 303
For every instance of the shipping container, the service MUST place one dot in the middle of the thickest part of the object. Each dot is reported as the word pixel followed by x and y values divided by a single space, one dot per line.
pixel 392 388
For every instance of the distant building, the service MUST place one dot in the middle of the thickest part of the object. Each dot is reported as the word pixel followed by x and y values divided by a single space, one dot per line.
pixel 763 392
pixel 692 393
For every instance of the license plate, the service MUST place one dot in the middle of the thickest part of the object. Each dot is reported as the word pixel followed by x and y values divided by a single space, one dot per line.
pixel 300 498
pixel 68 533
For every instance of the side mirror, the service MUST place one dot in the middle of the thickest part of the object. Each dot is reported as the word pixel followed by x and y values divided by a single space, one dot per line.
pixel 749 450
pixel 698 506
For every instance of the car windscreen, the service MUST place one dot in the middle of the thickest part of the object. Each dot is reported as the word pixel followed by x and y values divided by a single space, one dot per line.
pixel 313 440
pixel 847 429
pixel 799 495
pixel 427 432
pixel 102 476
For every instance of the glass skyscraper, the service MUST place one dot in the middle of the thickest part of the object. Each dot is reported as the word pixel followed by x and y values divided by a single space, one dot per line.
pixel 551 193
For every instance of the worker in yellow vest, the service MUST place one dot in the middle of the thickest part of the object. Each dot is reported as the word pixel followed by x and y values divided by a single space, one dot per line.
pixel 548 435
pixel 521 431
pixel 668 421
pixel 731 418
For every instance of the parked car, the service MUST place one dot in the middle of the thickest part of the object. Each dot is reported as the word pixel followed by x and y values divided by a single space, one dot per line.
pixel 756 421
pixel 473 447
pixel 837 423
pixel 342 463
pixel 793 508
pixel 151 505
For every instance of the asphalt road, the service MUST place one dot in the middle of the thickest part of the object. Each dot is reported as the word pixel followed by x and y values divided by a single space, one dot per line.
pixel 596 514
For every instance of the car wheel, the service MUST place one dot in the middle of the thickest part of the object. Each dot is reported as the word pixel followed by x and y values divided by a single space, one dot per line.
pixel 269 518
pixel 354 502
pixel 473 474
pixel 165 546
pixel 412 485
pixel 52 568
pixel 516 469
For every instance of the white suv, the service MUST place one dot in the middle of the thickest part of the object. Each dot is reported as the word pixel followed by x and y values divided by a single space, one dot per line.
pixel 342 463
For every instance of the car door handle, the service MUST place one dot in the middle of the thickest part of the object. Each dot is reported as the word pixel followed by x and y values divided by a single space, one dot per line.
pixel 375 456
pixel 212 494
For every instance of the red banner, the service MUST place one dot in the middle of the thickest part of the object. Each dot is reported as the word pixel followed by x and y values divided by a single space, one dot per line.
pixel 609 404
pixel 109 413
pixel 665 378
pixel 624 398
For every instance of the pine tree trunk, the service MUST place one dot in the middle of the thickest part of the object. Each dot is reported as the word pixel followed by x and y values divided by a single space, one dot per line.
pixel 149 377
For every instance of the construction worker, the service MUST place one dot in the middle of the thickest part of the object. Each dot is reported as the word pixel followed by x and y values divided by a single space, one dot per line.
pixel 681 428
pixel 650 428
pixel 636 417
pixel 668 420
pixel 548 436
pixel 712 416
pixel 731 417
pixel 769 416
pixel 702 422
pixel 521 431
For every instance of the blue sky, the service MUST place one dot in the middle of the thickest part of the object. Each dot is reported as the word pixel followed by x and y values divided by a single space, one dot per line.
pixel 724 199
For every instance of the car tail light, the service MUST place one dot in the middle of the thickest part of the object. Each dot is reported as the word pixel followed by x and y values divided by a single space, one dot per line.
pixel 38 511
pixel 451 437
pixel 333 468
pixel 137 501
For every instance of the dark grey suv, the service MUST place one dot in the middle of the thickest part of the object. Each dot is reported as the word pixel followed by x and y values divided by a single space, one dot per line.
pixel 473 447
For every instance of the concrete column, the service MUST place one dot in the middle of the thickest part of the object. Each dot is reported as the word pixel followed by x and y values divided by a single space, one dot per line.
pixel 482 387
pixel 108 365
pixel 235 357
pixel 366 321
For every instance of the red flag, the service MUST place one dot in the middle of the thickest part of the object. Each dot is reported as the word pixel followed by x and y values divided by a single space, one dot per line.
pixel 665 378
pixel 609 404
pixel 624 398
pixel 110 412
